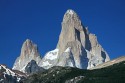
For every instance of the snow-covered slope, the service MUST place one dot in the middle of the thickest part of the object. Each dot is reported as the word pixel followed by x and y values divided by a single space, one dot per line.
pixel 50 59
pixel 9 76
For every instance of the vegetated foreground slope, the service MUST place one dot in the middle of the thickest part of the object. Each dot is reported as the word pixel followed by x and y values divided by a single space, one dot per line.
pixel 111 74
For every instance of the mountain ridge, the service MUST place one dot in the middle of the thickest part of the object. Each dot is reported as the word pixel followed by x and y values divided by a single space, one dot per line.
pixel 76 47
pixel 77 58
pixel 109 63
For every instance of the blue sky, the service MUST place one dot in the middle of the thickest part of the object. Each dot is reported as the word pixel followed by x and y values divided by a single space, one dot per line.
pixel 40 21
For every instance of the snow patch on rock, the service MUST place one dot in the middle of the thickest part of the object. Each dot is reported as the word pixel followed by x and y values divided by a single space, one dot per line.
pixel 68 49
pixel 46 63
pixel 8 71
pixel 70 11
pixel 52 54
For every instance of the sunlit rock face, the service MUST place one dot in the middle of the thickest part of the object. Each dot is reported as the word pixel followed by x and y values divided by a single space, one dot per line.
pixel 76 47
pixel 29 52
pixel 84 51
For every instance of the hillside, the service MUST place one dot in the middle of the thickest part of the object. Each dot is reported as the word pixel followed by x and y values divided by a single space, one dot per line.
pixel 110 74
pixel 109 63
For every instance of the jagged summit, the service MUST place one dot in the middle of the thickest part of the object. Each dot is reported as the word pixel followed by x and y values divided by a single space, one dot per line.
pixel 70 17
pixel 28 40
pixel 70 11
pixel 76 47
pixel 85 51
pixel 29 48
pixel 29 51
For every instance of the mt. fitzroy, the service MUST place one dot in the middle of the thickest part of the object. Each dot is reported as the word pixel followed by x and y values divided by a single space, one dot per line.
pixel 76 48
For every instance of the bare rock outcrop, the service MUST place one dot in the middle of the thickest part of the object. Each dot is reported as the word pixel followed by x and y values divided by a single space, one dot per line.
pixel 29 52
pixel 85 50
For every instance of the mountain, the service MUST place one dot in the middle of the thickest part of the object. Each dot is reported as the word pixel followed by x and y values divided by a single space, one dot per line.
pixel 109 63
pixel 111 74
pixel 29 52
pixel 77 58
pixel 77 47
pixel 32 67
pixel 9 76
pixel 84 51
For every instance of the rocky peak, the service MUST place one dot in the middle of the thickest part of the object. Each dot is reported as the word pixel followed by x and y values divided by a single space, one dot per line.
pixel 76 47
pixel 29 51
pixel 73 35
pixel 84 44
pixel 70 11
pixel 72 19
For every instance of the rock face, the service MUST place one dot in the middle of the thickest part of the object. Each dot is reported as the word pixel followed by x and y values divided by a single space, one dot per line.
pixel 29 52
pixel 32 67
pixel 84 51
pixel 67 58
pixel 77 47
